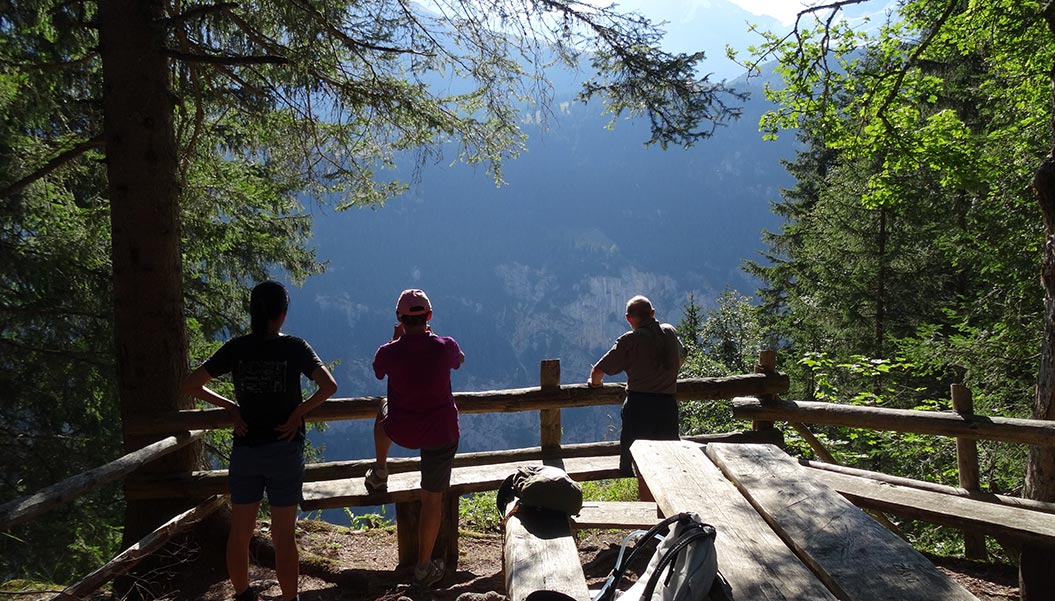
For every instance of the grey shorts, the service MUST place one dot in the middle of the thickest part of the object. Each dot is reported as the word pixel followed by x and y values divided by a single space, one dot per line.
pixel 436 466
pixel 275 467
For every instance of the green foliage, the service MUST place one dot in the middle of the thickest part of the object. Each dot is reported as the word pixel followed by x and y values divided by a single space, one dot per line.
pixel 907 232
pixel 479 512
pixel 691 323
pixel 910 253
pixel 620 489
pixel 366 521
pixel 721 341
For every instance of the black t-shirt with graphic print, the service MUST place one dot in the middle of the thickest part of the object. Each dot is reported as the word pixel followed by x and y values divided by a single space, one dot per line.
pixel 266 373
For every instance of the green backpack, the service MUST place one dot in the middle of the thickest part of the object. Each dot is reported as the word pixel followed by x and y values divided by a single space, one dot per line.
pixel 540 487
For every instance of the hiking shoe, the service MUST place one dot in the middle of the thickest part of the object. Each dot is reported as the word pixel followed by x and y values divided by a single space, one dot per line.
pixel 428 574
pixel 376 479
pixel 247 595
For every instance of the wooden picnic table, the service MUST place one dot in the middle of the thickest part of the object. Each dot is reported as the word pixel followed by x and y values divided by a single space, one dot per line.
pixel 784 534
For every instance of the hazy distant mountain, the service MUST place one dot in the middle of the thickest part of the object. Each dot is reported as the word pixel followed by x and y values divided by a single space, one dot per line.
pixel 541 268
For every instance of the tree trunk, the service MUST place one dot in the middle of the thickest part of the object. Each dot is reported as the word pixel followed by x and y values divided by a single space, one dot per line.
pixel 879 341
pixel 149 331
pixel 1037 566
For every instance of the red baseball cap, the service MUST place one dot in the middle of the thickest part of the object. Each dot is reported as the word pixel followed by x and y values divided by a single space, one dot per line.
pixel 413 302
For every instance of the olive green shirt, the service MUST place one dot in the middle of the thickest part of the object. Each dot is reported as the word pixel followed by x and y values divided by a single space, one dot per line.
pixel 651 356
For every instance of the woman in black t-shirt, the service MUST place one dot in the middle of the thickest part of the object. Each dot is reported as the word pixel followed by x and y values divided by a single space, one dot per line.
pixel 268 451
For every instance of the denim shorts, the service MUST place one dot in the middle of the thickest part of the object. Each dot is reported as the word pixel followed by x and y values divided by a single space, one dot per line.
pixel 275 467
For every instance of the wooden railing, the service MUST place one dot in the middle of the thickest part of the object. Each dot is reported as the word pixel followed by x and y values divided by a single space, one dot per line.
pixel 962 424
pixel 755 398
pixel 181 428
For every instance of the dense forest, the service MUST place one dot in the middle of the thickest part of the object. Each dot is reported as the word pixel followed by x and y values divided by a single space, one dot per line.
pixel 913 248
pixel 155 157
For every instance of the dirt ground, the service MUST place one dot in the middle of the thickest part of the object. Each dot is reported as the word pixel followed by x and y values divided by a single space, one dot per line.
pixel 359 565
pixel 351 565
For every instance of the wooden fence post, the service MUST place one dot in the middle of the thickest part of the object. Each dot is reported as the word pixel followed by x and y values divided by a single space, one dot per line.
pixel 967 466
pixel 767 364
pixel 408 522
pixel 549 419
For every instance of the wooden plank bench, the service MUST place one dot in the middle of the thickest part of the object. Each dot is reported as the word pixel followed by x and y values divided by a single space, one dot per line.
pixel 975 514
pixel 619 515
pixel 752 559
pixel 853 555
pixel 404 491
pixel 540 559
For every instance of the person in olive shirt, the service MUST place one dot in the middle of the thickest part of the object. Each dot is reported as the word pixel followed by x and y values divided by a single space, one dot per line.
pixel 651 355
pixel 268 450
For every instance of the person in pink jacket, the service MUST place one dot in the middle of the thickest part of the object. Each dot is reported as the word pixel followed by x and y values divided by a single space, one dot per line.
pixel 418 413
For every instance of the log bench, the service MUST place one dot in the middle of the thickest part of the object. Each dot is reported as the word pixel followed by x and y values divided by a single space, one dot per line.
pixel 540 559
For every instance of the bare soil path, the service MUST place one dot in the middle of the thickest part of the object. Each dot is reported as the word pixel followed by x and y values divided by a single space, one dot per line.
pixel 360 565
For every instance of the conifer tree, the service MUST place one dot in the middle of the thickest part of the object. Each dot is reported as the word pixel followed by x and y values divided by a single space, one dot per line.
pixel 171 119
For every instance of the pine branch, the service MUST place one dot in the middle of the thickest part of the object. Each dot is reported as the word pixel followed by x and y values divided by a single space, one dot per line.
pixel 52 165
pixel 200 11
pixel 55 66
pixel 82 358
pixel 230 60
pixel 344 37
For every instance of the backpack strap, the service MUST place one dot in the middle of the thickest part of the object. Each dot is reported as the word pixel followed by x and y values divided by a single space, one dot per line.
pixel 607 592
pixel 696 531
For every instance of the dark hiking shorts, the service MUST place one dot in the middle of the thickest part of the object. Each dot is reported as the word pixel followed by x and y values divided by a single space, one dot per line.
pixel 275 467
pixel 646 416
pixel 436 465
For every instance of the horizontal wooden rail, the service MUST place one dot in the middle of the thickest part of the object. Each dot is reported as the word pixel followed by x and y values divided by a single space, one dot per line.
pixel 212 482
pixel 492 401
pixel 1027 431
pixel 977 495
pixel 24 508
pixel 962 513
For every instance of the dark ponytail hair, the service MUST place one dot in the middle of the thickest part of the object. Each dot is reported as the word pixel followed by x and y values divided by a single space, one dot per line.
pixel 268 301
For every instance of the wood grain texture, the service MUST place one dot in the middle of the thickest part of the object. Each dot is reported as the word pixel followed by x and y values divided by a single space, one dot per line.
pixel 201 484
pixel 964 513
pixel 131 556
pixel 540 555
pixel 408 521
pixel 967 468
pixel 856 557
pixel 624 515
pixel 757 565
pixel 977 495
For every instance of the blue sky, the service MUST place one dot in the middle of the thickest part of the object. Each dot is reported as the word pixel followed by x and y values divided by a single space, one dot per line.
pixel 783 11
